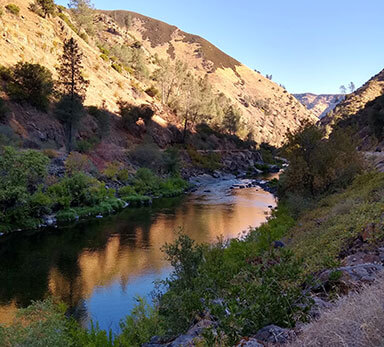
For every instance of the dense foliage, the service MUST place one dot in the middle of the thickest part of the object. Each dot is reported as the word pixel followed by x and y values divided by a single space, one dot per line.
pixel 30 83
pixel 21 174
pixel 317 165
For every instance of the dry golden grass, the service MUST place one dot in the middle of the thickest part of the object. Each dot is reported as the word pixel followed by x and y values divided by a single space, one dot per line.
pixel 356 321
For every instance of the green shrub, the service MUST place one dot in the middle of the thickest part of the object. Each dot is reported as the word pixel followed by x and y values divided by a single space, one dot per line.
pixel 40 204
pixel 140 325
pixel 1 12
pixel 43 323
pixel 116 171
pixel 171 159
pixel 210 161
pixel 152 91
pixel 103 120
pixel 14 9
pixel 318 165
pixel 117 67
pixel 146 182
pixel 147 155
pixel 77 162
pixel 245 284
pixel 103 50
pixel 21 174
pixel 86 145
pixel 84 37
pixel 67 21
pixel 32 83
pixel 104 57
pixel 79 190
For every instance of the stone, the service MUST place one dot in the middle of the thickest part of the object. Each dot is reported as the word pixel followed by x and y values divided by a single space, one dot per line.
pixel 318 306
pixel 249 342
pixel 192 335
pixel 278 244
pixel 361 258
pixel 353 276
pixel 273 333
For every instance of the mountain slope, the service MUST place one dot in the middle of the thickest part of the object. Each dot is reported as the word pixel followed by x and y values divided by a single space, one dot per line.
pixel 357 100
pixel 268 110
pixel 320 104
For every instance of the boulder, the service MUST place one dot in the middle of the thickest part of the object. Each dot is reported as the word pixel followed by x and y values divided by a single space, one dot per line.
pixel 249 342
pixel 275 334
pixel 189 339
pixel 361 258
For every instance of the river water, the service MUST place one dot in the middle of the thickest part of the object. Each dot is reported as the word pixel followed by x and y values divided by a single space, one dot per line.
pixel 98 267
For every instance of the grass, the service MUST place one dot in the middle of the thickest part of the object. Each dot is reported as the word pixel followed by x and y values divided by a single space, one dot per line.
pixel 356 320
pixel 104 208
pixel 320 234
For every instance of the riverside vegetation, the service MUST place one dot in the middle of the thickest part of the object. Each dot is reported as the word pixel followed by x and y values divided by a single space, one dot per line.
pixel 326 199
pixel 244 285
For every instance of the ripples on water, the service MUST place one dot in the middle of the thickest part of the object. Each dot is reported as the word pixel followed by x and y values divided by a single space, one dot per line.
pixel 98 267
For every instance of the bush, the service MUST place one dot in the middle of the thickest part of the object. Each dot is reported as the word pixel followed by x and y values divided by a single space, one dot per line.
pixel 21 174
pixel 103 120
pixel 67 21
pixel 79 190
pixel 50 153
pixel 245 284
pixel 317 165
pixel 210 161
pixel 147 155
pixel 104 57
pixel 130 114
pixel 41 324
pixel 140 325
pixel 103 50
pixel 77 162
pixel 86 145
pixel 14 9
pixel 171 158
pixel 117 67
pixel 32 83
pixel 152 91
pixel 116 171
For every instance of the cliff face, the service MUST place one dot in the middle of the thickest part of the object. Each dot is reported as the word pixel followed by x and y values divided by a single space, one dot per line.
pixel 319 104
pixel 268 110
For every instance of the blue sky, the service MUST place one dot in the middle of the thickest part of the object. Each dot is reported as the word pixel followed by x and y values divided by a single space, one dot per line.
pixel 307 45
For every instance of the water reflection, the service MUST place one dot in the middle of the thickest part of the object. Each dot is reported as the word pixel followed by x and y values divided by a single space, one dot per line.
pixel 98 267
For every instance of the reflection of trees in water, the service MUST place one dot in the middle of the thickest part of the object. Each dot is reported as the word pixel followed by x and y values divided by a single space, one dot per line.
pixel 71 262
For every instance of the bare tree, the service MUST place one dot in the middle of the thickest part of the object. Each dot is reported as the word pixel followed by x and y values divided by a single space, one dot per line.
pixel 351 87
pixel 343 90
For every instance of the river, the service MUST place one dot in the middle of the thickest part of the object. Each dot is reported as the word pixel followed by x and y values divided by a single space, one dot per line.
pixel 98 267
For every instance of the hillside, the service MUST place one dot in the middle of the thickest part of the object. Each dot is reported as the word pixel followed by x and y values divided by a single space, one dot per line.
pixel 320 104
pixel 357 100
pixel 268 110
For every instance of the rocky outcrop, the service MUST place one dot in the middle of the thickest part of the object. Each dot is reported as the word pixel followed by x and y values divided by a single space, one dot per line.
pixel 320 104
pixel 189 339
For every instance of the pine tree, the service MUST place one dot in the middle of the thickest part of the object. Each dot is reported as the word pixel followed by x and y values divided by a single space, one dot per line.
pixel 73 87
pixel 47 7
pixel 83 11
pixel 71 80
